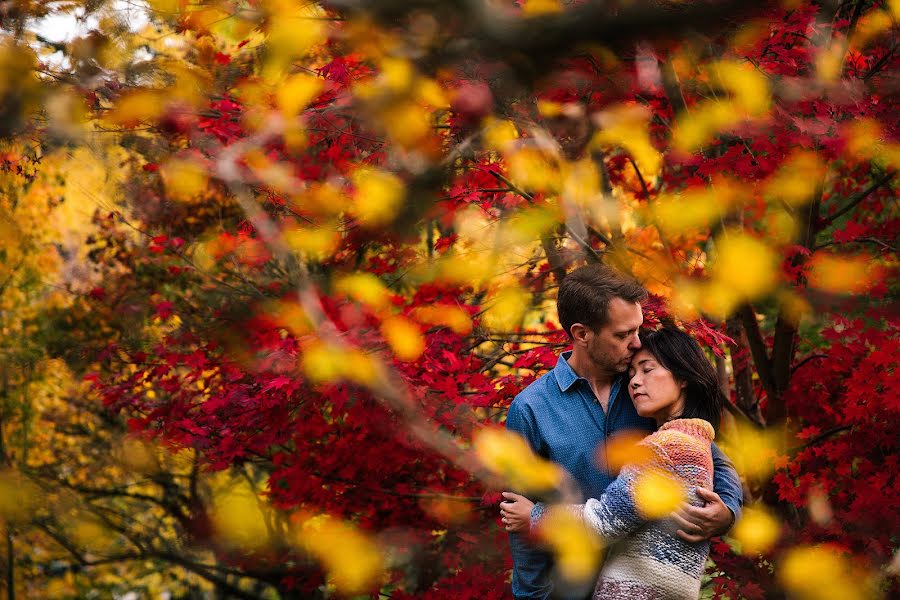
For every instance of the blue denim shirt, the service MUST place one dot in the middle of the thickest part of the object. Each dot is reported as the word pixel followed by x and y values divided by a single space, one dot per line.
pixel 562 420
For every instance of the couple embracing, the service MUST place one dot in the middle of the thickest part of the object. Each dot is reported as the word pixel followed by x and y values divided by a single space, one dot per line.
pixel 618 377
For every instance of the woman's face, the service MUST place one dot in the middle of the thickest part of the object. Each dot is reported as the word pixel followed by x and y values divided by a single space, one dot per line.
pixel 653 389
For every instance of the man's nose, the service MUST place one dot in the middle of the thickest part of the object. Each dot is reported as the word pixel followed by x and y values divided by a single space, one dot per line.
pixel 635 343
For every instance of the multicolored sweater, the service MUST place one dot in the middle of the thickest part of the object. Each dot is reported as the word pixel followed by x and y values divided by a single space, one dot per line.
pixel 647 561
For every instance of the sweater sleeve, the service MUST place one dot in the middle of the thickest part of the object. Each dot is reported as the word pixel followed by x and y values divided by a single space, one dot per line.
pixel 614 514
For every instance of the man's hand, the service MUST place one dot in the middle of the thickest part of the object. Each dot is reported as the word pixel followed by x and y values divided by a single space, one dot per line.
pixel 699 523
pixel 515 512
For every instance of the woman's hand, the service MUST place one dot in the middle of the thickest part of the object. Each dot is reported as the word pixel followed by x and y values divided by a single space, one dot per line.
pixel 515 512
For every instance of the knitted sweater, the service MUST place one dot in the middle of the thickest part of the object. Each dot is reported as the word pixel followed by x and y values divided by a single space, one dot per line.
pixel 648 561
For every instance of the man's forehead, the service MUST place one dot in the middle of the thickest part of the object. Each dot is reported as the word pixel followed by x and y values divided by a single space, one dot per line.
pixel 624 315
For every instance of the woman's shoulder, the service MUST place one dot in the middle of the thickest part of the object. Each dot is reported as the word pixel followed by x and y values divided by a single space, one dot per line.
pixel 680 435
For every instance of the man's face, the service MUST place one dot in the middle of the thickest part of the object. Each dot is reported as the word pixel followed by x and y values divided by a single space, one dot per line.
pixel 613 345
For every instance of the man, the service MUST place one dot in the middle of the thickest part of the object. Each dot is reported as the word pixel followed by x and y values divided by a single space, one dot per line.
pixel 571 412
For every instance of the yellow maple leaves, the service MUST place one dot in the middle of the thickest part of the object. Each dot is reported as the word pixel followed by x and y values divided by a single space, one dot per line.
pixel 749 96
pixel 509 456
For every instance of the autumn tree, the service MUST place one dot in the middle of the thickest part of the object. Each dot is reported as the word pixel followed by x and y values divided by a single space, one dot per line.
pixel 328 259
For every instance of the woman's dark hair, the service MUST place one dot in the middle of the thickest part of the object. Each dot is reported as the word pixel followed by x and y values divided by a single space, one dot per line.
pixel 681 354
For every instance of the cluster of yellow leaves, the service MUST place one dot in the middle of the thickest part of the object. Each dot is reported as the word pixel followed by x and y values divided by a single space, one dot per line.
pixel 506 307
pixel 351 559
pixel 508 455
pixel 744 269
pixel 755 452
pixel 623 448
pixel 627 126
pixel 244 520
pixel 837 274
pixel 577 549
pixel 866 140
pixel 749 97
pixel 694 208
pixel 823 573
pixel 657 493
pixel 322 362
pixel 756 531
pixel 402 103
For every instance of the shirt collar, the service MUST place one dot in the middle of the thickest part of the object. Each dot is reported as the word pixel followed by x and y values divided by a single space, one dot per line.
pixel 566 375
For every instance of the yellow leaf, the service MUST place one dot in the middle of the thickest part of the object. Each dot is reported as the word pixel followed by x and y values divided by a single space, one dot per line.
pixel 757 530
pixel 447 315
pixel 316 243
pixel 137 455
pixel 577 549
pixel 508 455
pixel 797 178
pixel 499 135
pixel 749 97
pixel 745 265
pixel 397 74
pixel 428 91
pixel 352 561
pixel 321 199
pixel 296 92
pixel 822 573
pixel 506 308
pixel 582 185
pixel 697 207
pixel 407 123
pixel 466 269
pixel 529 224
pixel 549 109
pixel 622 449
pixel 749 88
pixel 694 129
pixel 184 178
pixel 533 8
pixel 365 288
pixel 19 497
pixel 379 196
pixel 627 126
pixel 293 30
pixel 404 338
pixel 238 517
pixel 842 274
pixel 449 511
pixel 754 451
pixel 530 169
pixel 325 363
pixel 830 62
pixel 168 7
pixel 657 494
pixel 139 106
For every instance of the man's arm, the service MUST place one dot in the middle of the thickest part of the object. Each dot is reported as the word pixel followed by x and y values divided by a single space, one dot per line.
pixel 723 506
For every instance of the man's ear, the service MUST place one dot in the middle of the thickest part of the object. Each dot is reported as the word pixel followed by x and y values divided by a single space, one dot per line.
pixel 579 333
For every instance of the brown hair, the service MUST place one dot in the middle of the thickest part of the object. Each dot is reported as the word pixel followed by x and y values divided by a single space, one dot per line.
pixel 584 295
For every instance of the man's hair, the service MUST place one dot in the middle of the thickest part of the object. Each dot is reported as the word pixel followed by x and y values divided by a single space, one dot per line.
pixel 681 354
pixel 585 293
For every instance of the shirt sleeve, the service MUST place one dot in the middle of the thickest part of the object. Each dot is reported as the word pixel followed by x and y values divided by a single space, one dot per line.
pixel 520 419
pixel 726 483
pixel 531 565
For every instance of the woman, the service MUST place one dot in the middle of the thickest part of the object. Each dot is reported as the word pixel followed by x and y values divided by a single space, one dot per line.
pixel 672 381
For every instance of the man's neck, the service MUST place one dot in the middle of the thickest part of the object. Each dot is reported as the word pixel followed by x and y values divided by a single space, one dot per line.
pixel 584 367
